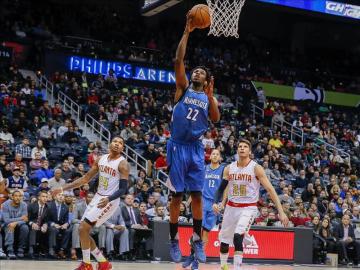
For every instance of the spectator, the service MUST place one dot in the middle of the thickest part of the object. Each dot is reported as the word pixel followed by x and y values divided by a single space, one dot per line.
pixel 64 128
pixel 345 237
pixel 38 224
pixel 48 133
pixel 6 136
pixel 66 172
pixel 58 222
pixel 132 221
pixel 144 217
pixel 57 181
pixel 70 136
pixel 15 218
pixel 276 142
pixel 92 157
pixel 24 149
pixel 301 181
pixel 126 133
pixel 326 233
pixel 116 229
pixel 262 219
pixel 39 148
pixel 100 232
pixel 18 162
pixel 160 163
pixel 16 181
pixel 44 186
pixel 207 140
pixel 35 163
pixel 44 172
pixel 160 213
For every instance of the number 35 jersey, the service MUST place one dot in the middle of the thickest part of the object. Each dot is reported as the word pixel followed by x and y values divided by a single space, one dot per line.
pixel 190 117
pixel 109 175
pixel 244 187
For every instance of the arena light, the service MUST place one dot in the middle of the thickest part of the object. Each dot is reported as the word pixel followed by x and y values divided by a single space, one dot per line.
pixel 153 7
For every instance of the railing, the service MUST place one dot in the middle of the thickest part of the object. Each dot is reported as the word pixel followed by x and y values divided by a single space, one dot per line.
pixel 135 157
pixel 96 128
pixel 68 105
pixel 295 132
pixel 49 87
pixel 329 148
pixel 257 111
pixel 163 176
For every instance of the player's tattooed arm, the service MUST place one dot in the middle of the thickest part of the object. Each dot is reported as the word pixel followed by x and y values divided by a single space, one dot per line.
pixel 79 182
pixel 219 193
pixel 261 176
pixel 180 75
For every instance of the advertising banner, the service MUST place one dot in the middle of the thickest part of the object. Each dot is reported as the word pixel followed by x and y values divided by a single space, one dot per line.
pixel 322 6
pixel 315 95
pixel 261 244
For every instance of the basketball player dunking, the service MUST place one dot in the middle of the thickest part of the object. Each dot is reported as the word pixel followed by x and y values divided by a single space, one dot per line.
pixel 213 176
pixel 195 103
pixel 113 172
pixel 244 178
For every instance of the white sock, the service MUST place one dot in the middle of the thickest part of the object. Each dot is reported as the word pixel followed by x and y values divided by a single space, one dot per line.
pixel 237 261
pixel 86 255
pixel 223 259
pixel 98 255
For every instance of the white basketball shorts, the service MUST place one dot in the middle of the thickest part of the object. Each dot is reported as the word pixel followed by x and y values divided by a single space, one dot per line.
pixel 236 220
pixel 100 215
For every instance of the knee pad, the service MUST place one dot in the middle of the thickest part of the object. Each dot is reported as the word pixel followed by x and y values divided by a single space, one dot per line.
pixel 224 248
pixel 238 242
pixel 177 194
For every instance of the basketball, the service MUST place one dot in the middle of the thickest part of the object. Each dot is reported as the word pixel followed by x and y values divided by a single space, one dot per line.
pixel 200 16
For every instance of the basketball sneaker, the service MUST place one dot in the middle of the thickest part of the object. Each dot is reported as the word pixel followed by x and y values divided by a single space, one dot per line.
pixel 104 266
pixel 175 252
pixel 225 267
pixel 189 260
pixel 195 265
pixel 84 266
pixel 198 247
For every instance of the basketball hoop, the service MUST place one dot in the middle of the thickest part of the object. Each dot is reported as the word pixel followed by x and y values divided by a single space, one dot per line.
pixel 225 17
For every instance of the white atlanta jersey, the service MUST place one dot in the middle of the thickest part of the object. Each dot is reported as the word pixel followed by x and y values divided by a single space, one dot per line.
pixel 109 175
pixel 244 187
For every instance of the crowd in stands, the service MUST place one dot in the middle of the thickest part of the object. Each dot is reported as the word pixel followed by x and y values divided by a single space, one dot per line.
pixel 47 150
pixel 250 57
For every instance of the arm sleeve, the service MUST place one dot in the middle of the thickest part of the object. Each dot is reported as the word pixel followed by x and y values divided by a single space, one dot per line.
pixel 121 191
pixel 220 191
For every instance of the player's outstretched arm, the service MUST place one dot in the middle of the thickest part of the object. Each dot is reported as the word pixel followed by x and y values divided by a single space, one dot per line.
pixel 214 112
pixel 79 182
pixel 124 170
pixel 180 75
pixel 260 174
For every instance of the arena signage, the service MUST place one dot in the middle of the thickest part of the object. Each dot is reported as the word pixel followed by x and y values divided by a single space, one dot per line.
pixel 260 246
pixel 303 93
pixel 322 6
pixel 123 70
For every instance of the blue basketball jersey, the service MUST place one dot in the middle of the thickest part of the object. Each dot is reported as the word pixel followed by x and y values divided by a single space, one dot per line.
pixel 212 181
pixel 16 184
pixel 190 117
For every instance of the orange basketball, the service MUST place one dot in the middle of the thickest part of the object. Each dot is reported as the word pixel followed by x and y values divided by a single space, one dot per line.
pixel 200 16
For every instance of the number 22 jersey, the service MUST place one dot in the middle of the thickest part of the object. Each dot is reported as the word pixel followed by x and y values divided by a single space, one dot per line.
pixel 190 117
pixel 243 184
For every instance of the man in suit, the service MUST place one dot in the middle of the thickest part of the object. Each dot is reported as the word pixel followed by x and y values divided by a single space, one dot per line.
pixel 58 222
pixel 133 222
pixel 38 224
pixel 78 214
pixel 115 229
pixel 345 237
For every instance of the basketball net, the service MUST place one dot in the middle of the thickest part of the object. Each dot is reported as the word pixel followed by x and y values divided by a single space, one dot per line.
pixel 224 16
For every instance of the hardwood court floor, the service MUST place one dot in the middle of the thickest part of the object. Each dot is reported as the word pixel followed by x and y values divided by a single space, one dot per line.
pixel 67 265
